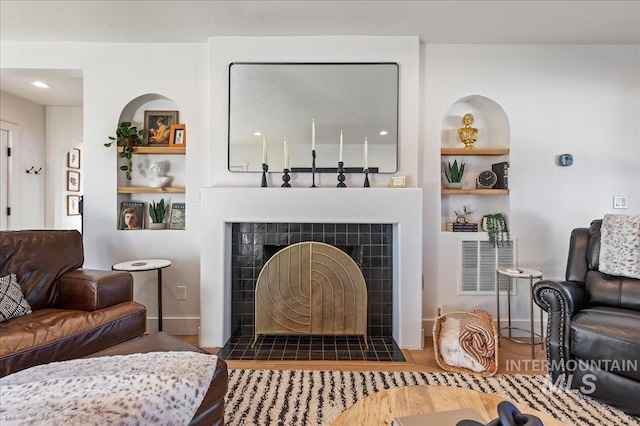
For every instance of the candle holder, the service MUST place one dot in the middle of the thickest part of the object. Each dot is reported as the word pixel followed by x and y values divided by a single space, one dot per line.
pixel 313 168
pixel 265 169
pixel 286 178
pixel 341 177
pixel 366 178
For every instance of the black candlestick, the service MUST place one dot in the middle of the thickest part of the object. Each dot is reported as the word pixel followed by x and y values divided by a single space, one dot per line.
pixel 366 178
pixel 265 169
pixel 286 178
pixel 341 177
pixel 313 169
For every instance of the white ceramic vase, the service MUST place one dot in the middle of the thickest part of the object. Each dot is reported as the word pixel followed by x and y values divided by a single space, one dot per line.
pixel 157 226
pixel 453 185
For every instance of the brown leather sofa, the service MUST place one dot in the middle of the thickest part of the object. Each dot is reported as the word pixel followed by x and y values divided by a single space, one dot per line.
pixel 76 312
pixel 593 330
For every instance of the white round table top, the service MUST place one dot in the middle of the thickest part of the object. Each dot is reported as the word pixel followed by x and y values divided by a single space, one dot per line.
pixel 517 272
pixel 141 265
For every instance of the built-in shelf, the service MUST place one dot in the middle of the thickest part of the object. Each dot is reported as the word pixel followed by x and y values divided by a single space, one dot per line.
pixel 446 191
pixel 157 150
pixel 474 151
pixel 149 190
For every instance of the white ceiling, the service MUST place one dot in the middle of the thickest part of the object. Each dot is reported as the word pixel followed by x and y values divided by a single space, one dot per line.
pixel 485 22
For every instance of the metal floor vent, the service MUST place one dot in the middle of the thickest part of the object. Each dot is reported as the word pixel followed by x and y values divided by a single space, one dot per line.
pixel 478 263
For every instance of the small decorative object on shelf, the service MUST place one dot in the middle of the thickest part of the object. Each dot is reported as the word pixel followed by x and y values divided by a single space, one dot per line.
pixel 462 217
pixel 178 135
pixel 366 178
pixel 496 227
pixel 286 178
pixel 468 135
pixel 156 212
pixel 157 126
pixel 565 160
pixel 464 227
pixel 127 136
pixel 502 173
pixel 486 179
pixel 265 169
pixel 131 215
pixel 398 182
pixel 454 174
pixel 313 168
pixel 178 217
pixel 157 178
pixel 341 177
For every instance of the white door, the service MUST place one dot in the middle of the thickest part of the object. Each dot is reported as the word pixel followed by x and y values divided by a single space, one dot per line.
pixel 5 167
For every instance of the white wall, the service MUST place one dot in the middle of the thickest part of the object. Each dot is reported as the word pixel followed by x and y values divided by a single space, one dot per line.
pixel 583 100
pixel 578 99
pixel 64 131
pixel 28 190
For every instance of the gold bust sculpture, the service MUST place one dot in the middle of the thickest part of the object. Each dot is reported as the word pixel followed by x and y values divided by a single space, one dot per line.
pixel 468 134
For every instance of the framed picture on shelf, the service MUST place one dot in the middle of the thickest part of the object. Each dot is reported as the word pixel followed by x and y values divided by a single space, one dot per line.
pixel 131 215
pixel 178 135
pixel 398 182
pixel 177 216
pixel 73 159
pixel 157 125
pixel 73 181
pixel 73 205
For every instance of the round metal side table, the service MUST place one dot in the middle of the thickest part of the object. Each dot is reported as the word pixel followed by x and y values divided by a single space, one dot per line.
pixel 147 265
pixel 519 273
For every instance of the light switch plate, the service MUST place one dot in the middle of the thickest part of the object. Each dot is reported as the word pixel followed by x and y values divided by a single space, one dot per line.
pixel 619 201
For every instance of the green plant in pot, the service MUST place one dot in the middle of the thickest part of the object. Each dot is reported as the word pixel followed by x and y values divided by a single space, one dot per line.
pixel 496 226
pixel 454 174
pixel 156 212
pixel 127 136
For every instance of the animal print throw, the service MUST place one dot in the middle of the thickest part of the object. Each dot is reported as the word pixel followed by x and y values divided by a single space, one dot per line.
pixel 159 388
pixel 620 245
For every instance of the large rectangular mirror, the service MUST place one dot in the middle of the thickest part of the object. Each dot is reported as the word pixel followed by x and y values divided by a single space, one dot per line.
pixel 280 100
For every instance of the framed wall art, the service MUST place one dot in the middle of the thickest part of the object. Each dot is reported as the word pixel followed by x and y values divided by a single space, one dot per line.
pixel 178 135
pixel 73 159
pixel 157 125
pixel 73 181
pixel 73 205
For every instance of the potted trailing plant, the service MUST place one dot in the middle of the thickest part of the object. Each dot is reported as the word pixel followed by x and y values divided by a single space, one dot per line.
pixel 454 174
pixel 157 211
pixel 496 226
pixel 127 136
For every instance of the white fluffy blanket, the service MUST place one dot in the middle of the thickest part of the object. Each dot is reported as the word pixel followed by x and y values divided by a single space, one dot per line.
pixel 620 245
pixel 450 349
pixel 160 388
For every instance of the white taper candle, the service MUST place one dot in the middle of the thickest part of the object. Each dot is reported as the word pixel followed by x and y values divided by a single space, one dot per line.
pixel 366 154
pixel 313 134
pixel 341 138
pixel 286 154
pixel 264 149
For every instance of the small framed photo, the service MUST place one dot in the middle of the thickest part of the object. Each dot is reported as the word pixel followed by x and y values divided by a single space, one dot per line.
pixel 73 159
pixel 131 215
pixel 178 135
pixel 178 217
pixel 73 181
pixel 157 125
pixel 73 205
pixel 398 182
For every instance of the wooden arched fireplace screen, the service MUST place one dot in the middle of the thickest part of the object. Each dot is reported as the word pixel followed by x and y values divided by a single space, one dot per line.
pixel 311 288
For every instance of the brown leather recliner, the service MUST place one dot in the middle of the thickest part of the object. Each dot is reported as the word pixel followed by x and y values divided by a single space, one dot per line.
pixel 593 330
pixel 76 311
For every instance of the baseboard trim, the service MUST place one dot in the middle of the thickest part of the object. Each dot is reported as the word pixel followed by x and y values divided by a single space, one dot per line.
pixel 181 326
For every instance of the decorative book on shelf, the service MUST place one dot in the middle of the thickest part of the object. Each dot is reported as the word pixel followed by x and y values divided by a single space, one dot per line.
pixel 178 217
pixel 465 227
pixel 502 172
pixel 131 215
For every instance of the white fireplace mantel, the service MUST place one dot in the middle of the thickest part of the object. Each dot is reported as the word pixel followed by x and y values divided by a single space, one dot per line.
pixel 223 206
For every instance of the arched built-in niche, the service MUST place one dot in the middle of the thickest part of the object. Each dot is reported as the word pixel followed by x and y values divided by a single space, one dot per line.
pixel 138 189
pixel 492 146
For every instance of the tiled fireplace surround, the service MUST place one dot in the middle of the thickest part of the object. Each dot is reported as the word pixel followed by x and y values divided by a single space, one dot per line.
pixel 313 212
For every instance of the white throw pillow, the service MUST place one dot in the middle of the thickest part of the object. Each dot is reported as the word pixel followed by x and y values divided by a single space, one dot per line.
pixel 12 301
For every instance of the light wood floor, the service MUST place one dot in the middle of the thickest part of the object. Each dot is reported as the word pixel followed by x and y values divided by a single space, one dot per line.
pixel 513 359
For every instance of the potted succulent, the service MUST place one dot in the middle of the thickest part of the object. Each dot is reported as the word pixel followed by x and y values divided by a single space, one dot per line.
pixel 157 211
pixel 127 136
pixel 496 226
pixel 454 174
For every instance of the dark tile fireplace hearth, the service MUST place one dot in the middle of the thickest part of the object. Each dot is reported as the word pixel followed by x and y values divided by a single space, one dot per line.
pixel 370 245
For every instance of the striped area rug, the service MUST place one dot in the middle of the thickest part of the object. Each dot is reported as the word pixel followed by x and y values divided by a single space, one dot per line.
pixel 298 397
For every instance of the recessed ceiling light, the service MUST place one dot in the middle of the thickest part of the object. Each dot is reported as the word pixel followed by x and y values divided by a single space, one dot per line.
pixel 383 132
pixel 41 84
pixel 257 134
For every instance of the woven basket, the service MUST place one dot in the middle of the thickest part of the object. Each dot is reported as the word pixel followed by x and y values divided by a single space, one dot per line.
pixel 437 327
